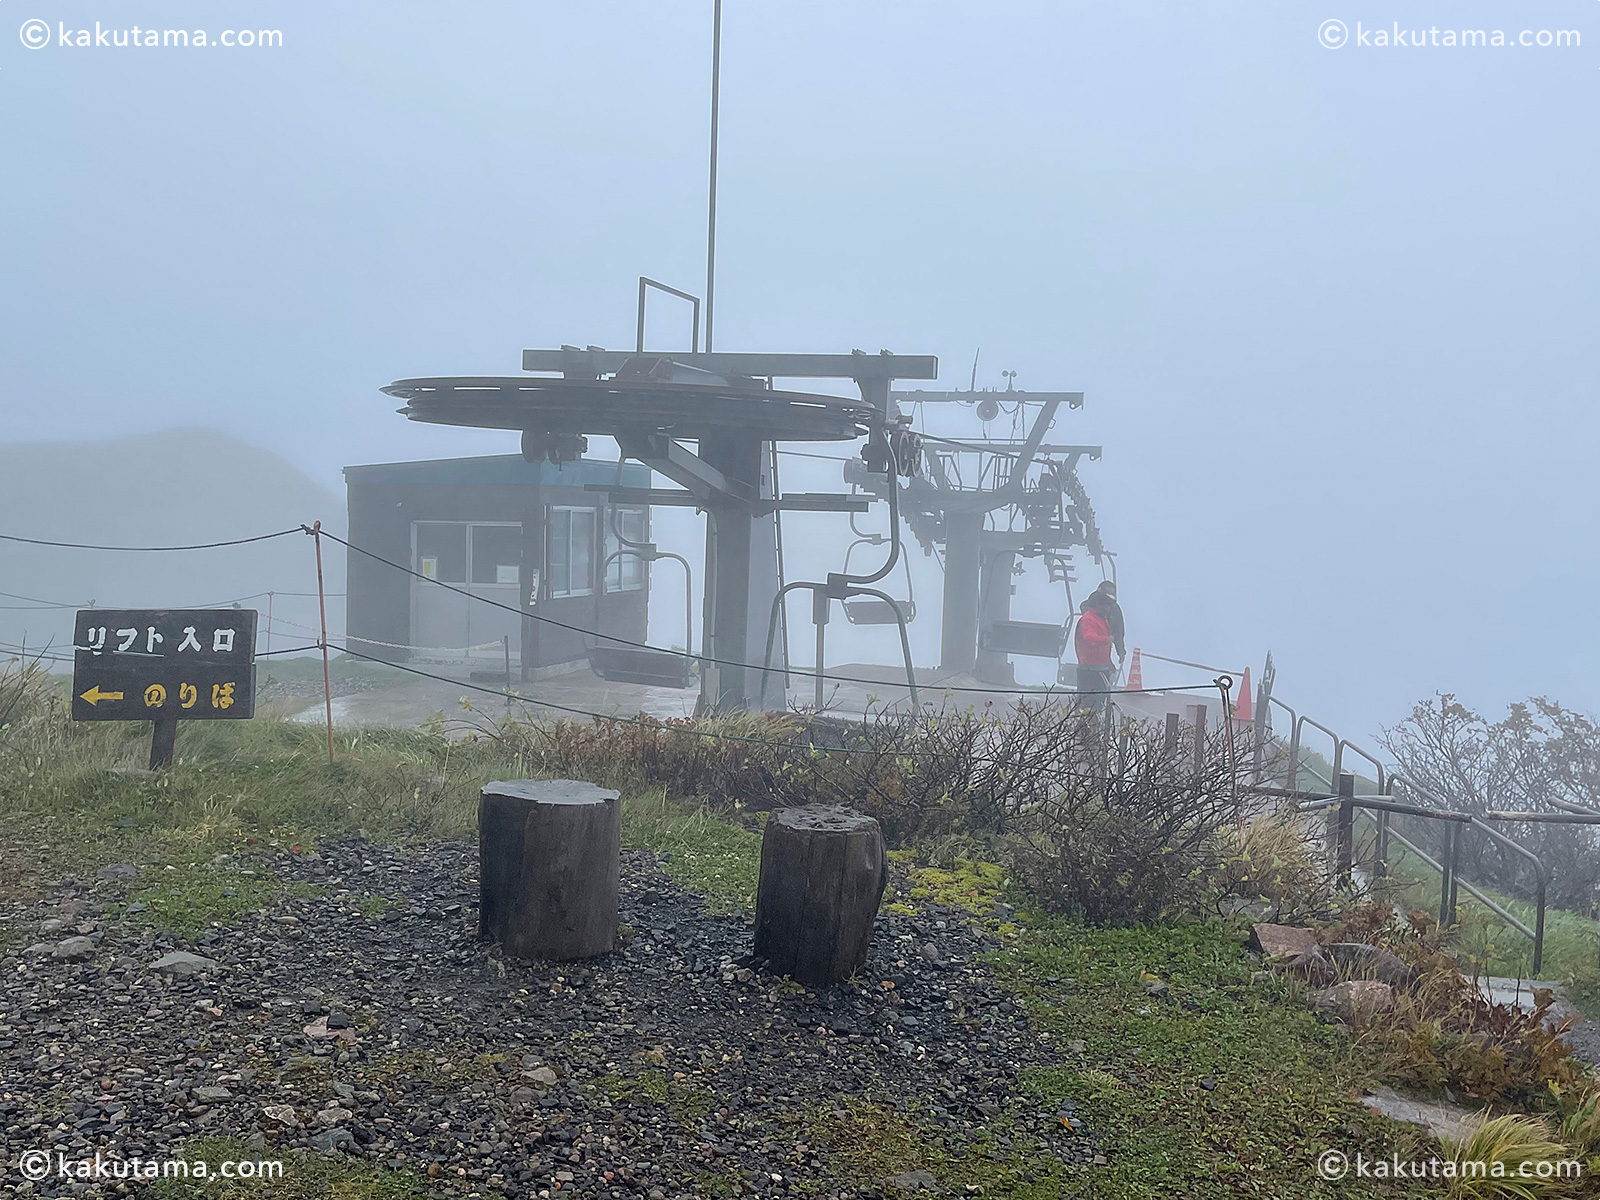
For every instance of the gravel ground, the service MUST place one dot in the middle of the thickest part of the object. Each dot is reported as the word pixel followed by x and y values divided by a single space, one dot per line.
pixel 383 1030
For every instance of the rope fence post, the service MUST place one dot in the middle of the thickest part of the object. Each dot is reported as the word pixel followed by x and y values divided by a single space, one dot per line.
pixel 505 643
pixel 322 612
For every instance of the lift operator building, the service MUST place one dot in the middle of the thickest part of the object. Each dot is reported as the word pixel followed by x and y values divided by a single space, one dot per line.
pixel 526 535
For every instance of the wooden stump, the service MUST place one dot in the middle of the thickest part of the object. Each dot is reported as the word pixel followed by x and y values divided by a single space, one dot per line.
pixel 823 871
pixel 549 861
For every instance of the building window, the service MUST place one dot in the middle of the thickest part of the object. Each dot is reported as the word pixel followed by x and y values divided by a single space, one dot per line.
pixel 626 572
pixel 570 548
pixel 442 551
pixel 496 554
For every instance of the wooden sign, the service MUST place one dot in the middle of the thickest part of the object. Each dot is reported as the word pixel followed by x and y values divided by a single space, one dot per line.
pixel 164 665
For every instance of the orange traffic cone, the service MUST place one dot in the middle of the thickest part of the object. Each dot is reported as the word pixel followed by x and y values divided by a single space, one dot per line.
pixel 1135 673
pixel 1244 708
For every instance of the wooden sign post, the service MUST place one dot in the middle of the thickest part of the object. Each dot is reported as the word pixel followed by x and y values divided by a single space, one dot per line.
pixel 164 665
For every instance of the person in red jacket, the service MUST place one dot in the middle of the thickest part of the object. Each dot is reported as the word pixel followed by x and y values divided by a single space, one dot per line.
pixel 1100 630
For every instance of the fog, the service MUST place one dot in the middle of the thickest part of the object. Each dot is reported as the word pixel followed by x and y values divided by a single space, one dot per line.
pixel 1334 310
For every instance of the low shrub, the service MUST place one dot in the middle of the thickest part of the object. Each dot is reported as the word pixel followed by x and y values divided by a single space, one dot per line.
pixel 1277 858
pixel 1443 1035
pixel 1118 829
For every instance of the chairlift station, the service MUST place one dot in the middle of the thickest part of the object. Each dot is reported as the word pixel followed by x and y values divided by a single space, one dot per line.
pixel 710 423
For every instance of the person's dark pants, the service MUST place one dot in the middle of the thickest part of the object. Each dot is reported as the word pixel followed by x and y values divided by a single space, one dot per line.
pixel 1094 683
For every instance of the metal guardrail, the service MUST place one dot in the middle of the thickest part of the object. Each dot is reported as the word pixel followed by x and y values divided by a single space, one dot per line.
pixel 1380 808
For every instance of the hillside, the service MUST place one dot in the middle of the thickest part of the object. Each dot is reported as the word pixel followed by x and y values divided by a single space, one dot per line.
pixel 174 487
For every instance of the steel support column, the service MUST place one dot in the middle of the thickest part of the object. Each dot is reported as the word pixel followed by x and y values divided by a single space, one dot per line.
pixel 995 604
pixel 729 574
pixel 958 645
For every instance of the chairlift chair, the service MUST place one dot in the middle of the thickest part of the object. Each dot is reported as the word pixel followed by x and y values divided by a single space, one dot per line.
pixel 619 663
pixel 866 610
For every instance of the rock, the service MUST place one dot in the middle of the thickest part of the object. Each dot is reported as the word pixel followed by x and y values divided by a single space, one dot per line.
pixel 1312 966
pixel 338 1020
pixel 319 1030
pixel 1357 960
pixel 930 952
pixel 53 925
pixel 543 1076
pixel 181 963
pixel 1078 1046
pixel 282 1114
pixel 117 871
pixel 911 1181
pixel 1438 1117
pixel 1354 1001
pixel 72 949
pixel 334 1114
pixel 212 1095
pixel 330 1140
pixel 1209 1084
pixel 1154 987
pixel 1276 941
pixel 40 950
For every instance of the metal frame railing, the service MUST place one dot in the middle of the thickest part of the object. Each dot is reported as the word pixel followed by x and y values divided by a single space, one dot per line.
pixel 1380 808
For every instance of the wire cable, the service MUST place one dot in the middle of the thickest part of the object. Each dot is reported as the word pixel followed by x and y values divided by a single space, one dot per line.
pixel 637 645
pixel 263 537
pixel 643 722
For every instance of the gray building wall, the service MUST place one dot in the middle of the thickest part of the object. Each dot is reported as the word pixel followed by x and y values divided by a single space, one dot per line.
pixel 386 499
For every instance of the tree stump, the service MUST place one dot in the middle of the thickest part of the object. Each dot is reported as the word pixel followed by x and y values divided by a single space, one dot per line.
pixel 549 862
pixel 823 871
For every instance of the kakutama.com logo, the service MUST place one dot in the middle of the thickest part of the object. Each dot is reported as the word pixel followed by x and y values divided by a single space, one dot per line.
pixel 37 35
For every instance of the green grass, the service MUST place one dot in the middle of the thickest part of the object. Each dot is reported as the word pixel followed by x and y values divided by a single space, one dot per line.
pixel 72 798
pixel 1282 1079
pixel 705 853
pixel 304 1176
pixel 1487 943
pixel 183 900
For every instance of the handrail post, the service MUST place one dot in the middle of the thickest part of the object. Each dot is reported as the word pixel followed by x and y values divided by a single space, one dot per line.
pixel 1291 780
pixel 1345 829
pixel 1447 878
pixel 1538 931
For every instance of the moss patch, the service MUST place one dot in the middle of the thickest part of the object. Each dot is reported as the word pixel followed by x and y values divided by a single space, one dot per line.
pixel 304 1177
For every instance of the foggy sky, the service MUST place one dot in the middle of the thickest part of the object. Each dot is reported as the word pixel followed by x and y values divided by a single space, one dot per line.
pixel 1334 310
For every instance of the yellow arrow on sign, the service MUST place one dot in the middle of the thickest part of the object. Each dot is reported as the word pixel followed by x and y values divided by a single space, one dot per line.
pixel 94 695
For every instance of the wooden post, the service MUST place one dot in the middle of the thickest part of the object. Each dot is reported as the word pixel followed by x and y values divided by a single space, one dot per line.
pixel 163 742
pixel 322 610
pixel 1170 742
pixel 1197 717
pixel 505 641
pixel 823 871
pixel 549 866
pixel 1345 831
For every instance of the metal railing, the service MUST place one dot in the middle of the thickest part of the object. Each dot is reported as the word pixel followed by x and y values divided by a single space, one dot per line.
pixel 1380 808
